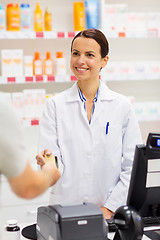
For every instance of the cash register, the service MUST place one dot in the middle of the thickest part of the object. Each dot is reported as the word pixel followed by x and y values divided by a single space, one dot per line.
pixel 81 222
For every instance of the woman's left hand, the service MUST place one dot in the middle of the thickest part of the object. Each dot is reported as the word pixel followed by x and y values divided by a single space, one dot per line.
pixel 107 213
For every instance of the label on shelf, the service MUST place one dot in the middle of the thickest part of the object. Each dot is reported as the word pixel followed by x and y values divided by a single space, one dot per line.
pixel 60 34
pixel 34 122
pixel 11 79
pixel 29 79
pixel 39 35
pixel 39 78
pixel 71 34
pixel 50 78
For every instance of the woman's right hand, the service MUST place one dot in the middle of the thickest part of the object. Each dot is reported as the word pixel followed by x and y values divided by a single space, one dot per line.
pixel 41 156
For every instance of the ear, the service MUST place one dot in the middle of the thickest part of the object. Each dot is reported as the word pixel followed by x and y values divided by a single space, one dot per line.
pixel 104 61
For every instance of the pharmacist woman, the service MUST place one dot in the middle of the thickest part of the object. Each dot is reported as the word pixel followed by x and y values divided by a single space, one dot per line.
pixel 92 129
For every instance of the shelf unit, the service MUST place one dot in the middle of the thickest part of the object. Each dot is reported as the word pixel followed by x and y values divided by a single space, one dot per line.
pixel 121 49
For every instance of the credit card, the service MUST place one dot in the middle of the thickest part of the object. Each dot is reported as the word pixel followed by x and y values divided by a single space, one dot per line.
pixel 53 159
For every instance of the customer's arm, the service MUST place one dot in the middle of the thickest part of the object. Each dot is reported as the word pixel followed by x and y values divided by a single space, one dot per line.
pixel 32 183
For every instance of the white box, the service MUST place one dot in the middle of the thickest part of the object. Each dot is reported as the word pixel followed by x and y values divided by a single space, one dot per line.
pixel 17 101
pixel 28 66
pixel 17 58
pixel 6 63
pixel 12 62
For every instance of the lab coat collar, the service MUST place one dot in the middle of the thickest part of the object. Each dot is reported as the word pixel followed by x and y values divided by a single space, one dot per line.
pixel 105 94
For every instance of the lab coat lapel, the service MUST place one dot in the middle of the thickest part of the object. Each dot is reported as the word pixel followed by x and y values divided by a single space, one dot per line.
pixel 97 111
pixel 73 96
pixel 105 94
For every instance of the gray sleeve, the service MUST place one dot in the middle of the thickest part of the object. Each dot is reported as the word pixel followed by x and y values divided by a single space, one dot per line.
pixel 13 157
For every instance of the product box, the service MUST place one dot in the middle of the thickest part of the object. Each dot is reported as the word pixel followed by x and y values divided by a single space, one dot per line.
pixel 147 111
pixel 126 70
pixel 12 62
pixel 17 61
pixel 6 63
pixel 17 101
pixel 121 19
pixel 153 70
pixel 136 25
pixel 28 66
pixel 115 19
pixel 34 100
pixel 110 20
pixel 110 72
pixel 140 111
pixel 153 25
pixel 39 96
pixel 153 111
pixel 141 70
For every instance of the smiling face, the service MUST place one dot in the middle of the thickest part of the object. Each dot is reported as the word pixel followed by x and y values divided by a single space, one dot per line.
pixel 86 60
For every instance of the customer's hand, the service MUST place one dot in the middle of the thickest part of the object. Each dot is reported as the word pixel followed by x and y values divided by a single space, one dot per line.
pixel 41 156
pixel 51 171
pixel 107 213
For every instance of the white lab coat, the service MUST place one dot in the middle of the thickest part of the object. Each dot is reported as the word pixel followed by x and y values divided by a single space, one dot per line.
pixel 92 160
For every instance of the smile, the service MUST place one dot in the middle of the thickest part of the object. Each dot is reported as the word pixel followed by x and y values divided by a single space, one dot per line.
pixel 81 70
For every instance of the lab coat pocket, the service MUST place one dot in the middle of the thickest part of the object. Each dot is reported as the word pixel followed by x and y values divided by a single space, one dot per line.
pixel 113 138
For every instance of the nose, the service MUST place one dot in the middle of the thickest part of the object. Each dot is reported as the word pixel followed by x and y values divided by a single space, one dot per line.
pixel 81 59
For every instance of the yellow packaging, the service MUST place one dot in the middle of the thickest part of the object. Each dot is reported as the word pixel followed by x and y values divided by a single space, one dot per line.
pixel 48 20
pixel 79 16
pixel 38 19
pixel 13 17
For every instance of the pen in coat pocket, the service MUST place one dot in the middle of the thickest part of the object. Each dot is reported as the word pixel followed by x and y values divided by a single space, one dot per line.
pixel 107 126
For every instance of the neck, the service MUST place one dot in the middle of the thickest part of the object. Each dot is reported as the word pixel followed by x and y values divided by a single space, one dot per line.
pixel 88 89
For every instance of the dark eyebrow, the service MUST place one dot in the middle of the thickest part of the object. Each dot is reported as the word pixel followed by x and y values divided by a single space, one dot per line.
pixel 90 52
pixel 75 50
pixel 86 52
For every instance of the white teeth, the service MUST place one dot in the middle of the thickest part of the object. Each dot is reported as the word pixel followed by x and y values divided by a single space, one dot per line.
pixel 81 69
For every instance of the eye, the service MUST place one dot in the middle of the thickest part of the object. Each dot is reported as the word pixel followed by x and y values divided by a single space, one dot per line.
pixel 90 55
pixel 75 53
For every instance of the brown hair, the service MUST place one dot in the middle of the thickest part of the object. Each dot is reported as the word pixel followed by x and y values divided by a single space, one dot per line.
pixel 98 36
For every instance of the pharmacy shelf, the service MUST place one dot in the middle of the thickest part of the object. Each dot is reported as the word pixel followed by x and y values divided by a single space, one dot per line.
pixel 141 90
pixel 50 87
pixel 37 79
pixel 36 35
pixel 62 79
pixel 61 34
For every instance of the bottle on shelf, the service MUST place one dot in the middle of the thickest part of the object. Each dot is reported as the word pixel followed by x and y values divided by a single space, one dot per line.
pixel 60 64
pixel 13 17
pixel 25 18
pixel 48 19
pixel 37 65
pixel 48 65
pixel 79 16
pixel 38 19
pixel 2 19
pixel 92 13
